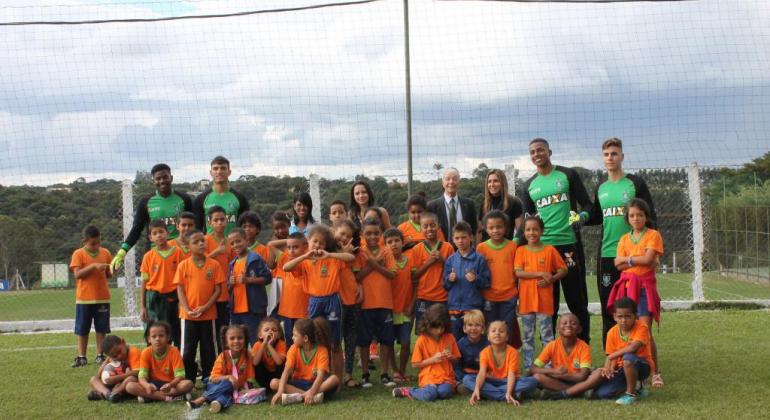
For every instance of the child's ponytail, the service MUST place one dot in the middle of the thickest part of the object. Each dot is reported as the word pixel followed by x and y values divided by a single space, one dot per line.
pixel 322 332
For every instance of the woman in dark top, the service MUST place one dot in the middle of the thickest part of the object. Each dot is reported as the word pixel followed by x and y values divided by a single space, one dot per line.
pixel 361 198
pixel 496 197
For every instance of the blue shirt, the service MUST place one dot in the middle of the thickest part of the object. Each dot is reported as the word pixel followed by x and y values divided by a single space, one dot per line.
pixel 469 356
pixel 465 295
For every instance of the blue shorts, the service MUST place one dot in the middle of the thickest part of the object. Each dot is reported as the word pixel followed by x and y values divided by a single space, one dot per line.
pixel 376 323
pixel 403 333
pixel 329 308
pixel 305 385
pixel 617 384
pixel 641 307
pixel 99 313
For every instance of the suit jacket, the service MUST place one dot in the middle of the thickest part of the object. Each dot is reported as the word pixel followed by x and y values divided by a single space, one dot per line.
pixel 467 208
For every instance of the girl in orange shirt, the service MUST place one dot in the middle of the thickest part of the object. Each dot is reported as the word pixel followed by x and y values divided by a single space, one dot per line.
pixel 232 374
pixel 307 376
pixel 637 259
pixel 269 352
pixel 434 352
pixel 538 267
pixel 348 240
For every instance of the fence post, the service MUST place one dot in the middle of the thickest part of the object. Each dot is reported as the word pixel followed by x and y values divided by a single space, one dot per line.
pixel 510 174
pixel 315 194
pixel 129 266
pixel 696 208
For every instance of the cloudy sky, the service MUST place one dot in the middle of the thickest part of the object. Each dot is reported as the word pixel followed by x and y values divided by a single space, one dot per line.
pixel 323 90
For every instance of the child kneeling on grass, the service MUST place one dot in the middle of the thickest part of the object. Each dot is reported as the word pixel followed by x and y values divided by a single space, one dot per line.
pixel 498 377
pixel 628 359
pixel 232 374
pixel 434 352
pixel 121 368
pixel 161 372
pixel 306 375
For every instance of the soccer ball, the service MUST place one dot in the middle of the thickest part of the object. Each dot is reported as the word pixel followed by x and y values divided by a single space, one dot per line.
pixel 113 368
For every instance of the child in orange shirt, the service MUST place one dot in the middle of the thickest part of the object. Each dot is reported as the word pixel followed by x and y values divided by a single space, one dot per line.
pixel 498 378
pixel 251 224
pixel 637 258
pixel 568 356
pixel 113 387
pixel 375 269
pixel 429 257
pixel 501 298
pixel 198 281
pixel 321 269
pixel 184 222
pixel 293 301
pixel 351 294
pixel 307 376
pixel 219 249
pixel 434 353
pixel 411 229
pixel 158 299
pixel 629 359
pixel 403 301
pixel 247 276
pixel 538 267
pixel 269 352
pixel 91 267
pixel 161 372
pixel 233 372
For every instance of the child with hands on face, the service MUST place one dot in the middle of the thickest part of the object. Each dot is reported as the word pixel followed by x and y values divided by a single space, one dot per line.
pixel 269 352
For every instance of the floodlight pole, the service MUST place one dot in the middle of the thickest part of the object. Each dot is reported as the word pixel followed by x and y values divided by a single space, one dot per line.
pixel 408 100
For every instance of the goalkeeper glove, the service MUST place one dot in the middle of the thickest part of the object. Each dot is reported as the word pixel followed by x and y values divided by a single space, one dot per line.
pixel 117 262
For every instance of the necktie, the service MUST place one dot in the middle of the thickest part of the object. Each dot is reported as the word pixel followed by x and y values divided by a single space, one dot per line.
pixel 452 215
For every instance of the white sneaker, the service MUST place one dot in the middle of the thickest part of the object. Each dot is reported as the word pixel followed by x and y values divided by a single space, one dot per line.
pixel 287 399
pixel 318 398
pixel 140 400
pixel 215 407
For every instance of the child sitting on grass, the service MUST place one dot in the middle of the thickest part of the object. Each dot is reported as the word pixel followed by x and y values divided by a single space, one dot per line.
pixel 112 387
pixel 568 356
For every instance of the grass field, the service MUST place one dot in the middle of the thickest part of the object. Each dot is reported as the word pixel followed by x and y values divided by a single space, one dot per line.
pixel 707 376
pixel 60 304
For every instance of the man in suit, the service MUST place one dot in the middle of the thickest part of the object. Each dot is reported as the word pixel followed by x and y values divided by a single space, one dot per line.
pixel 450 208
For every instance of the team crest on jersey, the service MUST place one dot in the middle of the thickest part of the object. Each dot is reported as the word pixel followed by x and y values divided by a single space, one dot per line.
pixel 231 206
pixel 569 260
pixel 166 370
pixel 576 364
pixel 324 271
pixel 615 211
pixel 606 280
pixel 558 183
pixel 551 199
pixel 209 274
pixel 625 196
pixel 155 268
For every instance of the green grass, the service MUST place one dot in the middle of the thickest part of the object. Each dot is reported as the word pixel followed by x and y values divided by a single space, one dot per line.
pixel 60 304
pixel 714 364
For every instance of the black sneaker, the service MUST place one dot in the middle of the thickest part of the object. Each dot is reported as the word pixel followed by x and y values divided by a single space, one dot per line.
pixel 94 395
pixel 365 382
pixel 79 361
pixel 115 398
pixel 100 359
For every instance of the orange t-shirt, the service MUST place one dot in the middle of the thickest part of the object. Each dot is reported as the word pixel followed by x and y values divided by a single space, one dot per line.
pixel 92 288
pixel 348 285
pixel 639 332
pixel 401 286
pixel 412 232
pixel 162 368
pixel 223 366
pixel 437 373
pixel 380 243
pixel 198 285
pixel 378 291
pixel 267 360
pixel 240 300
pixel 554 353
pixel 500 261
pixel 183 250
pixel 261 250
pixel 531 297
pixel 134 357
pixel 224 262
pixel 650 239
pixel 307 370
pixel 293 297
pixel 509 364
pixel 430 286
pixel 158 271
pixel 321 277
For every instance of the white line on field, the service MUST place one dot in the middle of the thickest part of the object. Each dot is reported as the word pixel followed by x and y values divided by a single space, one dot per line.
pixel 713 289
pixel 15 349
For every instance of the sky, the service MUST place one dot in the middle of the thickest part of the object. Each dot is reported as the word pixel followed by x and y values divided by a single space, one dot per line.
pixel 322 91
